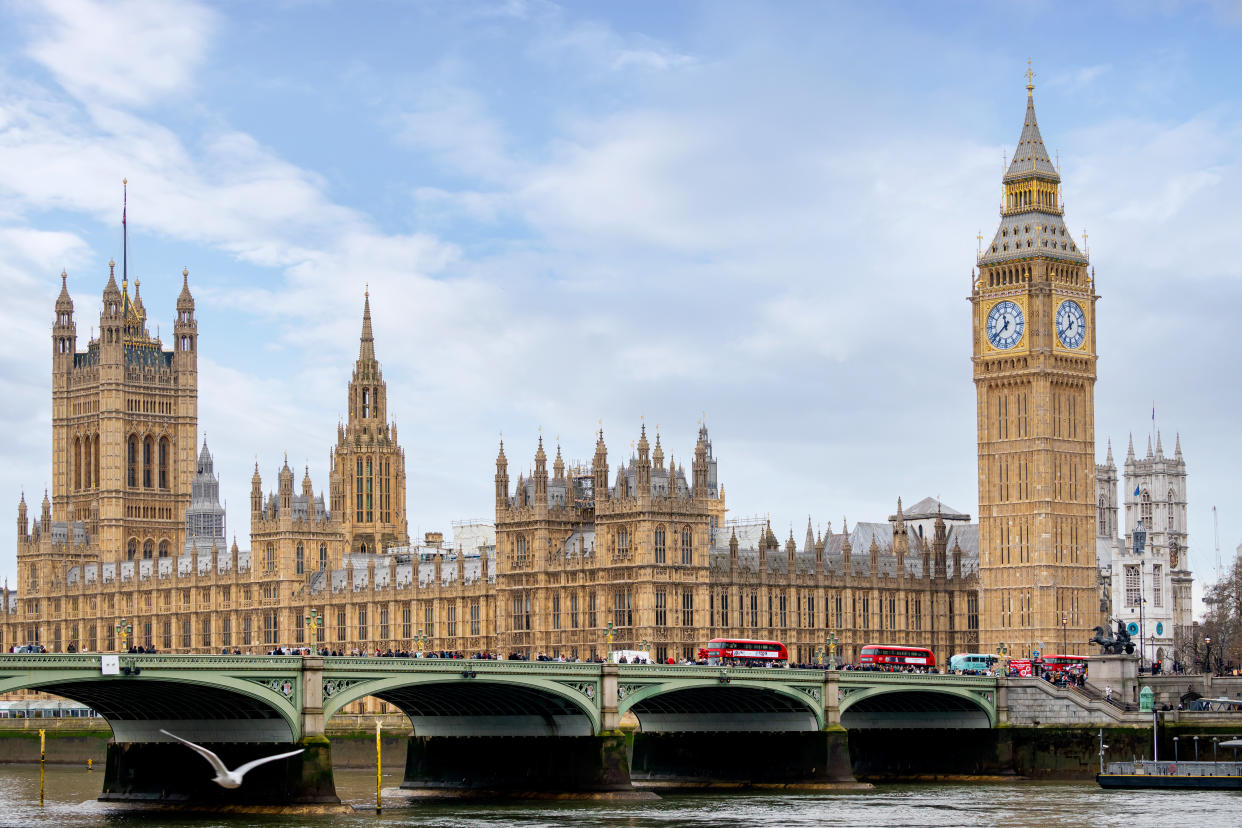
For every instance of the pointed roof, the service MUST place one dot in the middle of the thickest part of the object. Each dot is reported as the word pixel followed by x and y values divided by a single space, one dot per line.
pixel 1032 228
pixel 1130 449
pixel 204 456
pixel 1109 459
pixel 63 302
pixel 366 346
pixel 1030 157
pixel 1177 449
pixel 185 301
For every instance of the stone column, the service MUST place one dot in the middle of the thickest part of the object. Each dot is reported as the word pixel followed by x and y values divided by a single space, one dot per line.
pixel 832 699
pixel 311 679
pixel 610 719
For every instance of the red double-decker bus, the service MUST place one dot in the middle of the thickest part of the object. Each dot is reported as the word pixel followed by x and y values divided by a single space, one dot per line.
pixel 895 656
pixel 743 651
pixel 1063 663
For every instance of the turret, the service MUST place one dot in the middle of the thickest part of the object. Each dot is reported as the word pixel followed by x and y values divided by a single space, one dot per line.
pixel 901 540
pixel 64 331
pixel 733 551
pixel 874 552
pixel 541 476
pixel 111 320
pixel 600 470
pixel 502 480
pixel 791 554
pixel 308 491
pixel 657 456
pixel 23 523
pixel 957 560
pixel 643 476
pixel 846 549
pixel 558 465
pixel 185 329
pixel 45 517
pixel 286 489
pixel 940 544
pixel 256 494
pixel 700 466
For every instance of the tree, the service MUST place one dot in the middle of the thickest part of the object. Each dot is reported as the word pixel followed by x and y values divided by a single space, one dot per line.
pixel 1223 621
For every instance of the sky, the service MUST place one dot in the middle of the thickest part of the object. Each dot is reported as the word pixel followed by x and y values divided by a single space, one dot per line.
pixel 568 215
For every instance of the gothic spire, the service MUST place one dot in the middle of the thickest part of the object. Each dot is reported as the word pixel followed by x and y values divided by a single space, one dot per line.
pixel 1159 446
pixel 1177 448
pixel 366 346
pixel 1130 449
pixel 1109 459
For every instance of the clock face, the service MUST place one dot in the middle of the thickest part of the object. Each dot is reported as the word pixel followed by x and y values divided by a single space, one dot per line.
pixel 1005 325
pixel 1071 324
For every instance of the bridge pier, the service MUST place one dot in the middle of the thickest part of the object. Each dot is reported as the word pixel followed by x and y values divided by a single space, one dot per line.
pixel 170 773
pixel 519 764
pixel 703 759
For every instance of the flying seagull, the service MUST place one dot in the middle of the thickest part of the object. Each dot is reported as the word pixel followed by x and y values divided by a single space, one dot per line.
pixel 226 778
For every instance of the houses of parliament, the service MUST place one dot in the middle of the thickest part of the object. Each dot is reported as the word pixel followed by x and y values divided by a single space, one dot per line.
pixel 130 543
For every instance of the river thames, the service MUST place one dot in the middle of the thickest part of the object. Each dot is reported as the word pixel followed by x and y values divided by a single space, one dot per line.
pixel 71 792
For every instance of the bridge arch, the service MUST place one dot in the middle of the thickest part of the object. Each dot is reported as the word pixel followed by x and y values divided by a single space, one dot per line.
pixel 202 708
pixel 709 705
pixel 482 704
pixel 916 707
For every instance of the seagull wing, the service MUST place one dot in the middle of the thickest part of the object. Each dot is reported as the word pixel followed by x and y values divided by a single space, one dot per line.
pixel 242 770
pixel 216 764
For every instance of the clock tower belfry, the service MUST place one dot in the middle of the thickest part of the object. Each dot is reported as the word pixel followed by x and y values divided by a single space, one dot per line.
pixel 1033 314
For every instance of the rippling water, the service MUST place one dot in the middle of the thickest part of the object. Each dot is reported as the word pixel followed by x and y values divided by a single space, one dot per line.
pixel 71 792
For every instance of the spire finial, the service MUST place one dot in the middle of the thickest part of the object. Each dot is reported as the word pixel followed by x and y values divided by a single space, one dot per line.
pixel 1030 79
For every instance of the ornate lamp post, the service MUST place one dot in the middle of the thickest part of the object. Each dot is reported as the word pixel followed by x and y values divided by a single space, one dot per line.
pixel 644 645
pixel 819 655
pixel 421 640
pixel 1002 652
pixel 124 629
pixel 313 623
pixel 610 632
pixel 832 650
pixel 1064 624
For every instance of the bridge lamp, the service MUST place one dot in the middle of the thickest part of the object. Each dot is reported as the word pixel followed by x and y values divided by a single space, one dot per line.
pixel 819 655
pixel 832 650
pixel 609 634
pixel 644 644
pixel 124 629
pixel 1174 749
pixel 313 622
pixel 724 677
pixel 1207 651
pixel 421 638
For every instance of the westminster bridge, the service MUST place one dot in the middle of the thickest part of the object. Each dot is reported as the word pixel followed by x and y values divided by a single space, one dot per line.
pixel 487 724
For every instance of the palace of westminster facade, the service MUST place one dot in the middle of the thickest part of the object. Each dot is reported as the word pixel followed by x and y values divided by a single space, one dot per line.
pixel 579 557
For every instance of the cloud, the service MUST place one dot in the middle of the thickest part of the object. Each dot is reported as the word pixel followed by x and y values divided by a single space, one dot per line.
pixel 130 52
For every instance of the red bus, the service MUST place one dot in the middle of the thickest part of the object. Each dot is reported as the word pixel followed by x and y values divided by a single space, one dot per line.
pixel 743 651
pixel 1063 663
pixel 895 656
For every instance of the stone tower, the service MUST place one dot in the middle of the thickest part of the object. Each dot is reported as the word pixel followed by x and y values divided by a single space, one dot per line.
pixel 125 399
pixel 368 465
pixel 1033 312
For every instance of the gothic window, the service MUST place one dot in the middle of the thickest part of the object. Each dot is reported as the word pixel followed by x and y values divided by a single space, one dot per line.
pixel 163 551
pixel 205 632
pixel 687 608
pixel 383 630
pixel 133 460
pixel 77 463
pixel 299 561
pixel 519 550
pixel 185 634
pixel 1157 590
pixel 358 492
pixel 1102 518
pixel 661 613
pixel 340 626
pixel 659 544
pixel 623 542
pixel 474 616
pixel 405 622
pixel 1133 587
pixel 370 482
pixel 1172 501
pixel 131 551
pixel 323 556
pixel 687 546
pixel 573 611
pixel 781 608
pixel 450 621
pixel 591 616
pixel 754 608
pixel 148 549
pixel 1145 509
pixel 148 451
pixel 166 643
pixel 269 557
pixel 163 463
pixel 366 402
pixel 623 608
pixel 362 625
pixel 556 611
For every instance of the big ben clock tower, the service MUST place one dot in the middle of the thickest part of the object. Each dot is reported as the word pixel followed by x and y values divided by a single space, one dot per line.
pixel 1033 311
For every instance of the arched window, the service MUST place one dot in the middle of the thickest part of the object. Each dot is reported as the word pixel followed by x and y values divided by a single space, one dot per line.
pixel 323 556
pixel 687 546
pixel 659 545
pixel 148 549
pixel 163 549
pixel 164 456
pixel 623 541
pixel 148 458
pixel 77 463
pixel 1102 517
pixel 1172 510
pixel 133 460
pixel 269 557
pixel 1145 509
pixel 300 561
pixel 131 551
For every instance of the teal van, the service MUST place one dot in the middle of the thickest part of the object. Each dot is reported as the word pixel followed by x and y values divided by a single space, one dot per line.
pixel 971 661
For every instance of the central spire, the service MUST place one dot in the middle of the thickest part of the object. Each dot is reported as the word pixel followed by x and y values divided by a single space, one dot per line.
pixel 366 347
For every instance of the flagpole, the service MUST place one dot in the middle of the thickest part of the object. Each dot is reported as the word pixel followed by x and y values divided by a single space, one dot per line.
pixel 124 230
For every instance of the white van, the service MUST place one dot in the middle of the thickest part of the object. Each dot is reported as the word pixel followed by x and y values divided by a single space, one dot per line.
pixel 630 656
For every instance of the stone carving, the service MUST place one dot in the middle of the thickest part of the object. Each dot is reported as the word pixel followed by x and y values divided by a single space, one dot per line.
pixel 1113 643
